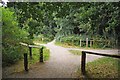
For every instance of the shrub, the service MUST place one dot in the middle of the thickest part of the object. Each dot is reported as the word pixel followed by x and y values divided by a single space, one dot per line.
pixel 12 35
pixel 70 40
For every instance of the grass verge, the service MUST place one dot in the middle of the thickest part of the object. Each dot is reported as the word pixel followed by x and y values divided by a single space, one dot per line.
pixel 36 55
pixel 76 52
pixel 102 68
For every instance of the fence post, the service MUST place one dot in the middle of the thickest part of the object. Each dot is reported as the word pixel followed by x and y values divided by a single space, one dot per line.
pixel 30 51
pixel 83 61
pixel 93 42
pixel 80 43
pixel 116 43
pixel 41 54
pixel 86 42
pixel 90 43
pixel 26 61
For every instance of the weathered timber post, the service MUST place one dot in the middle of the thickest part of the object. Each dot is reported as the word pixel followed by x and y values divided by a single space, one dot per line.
pixel 26 61
pixel 30 51
pixel 90 43
pixel 93 42
pixel 80 43
pixel 83 61
pixel 41 54
pixel 86 42
pixel 116 43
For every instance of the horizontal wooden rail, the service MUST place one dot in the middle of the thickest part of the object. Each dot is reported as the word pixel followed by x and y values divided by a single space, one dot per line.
pixel 27 45
pixel 30 48
pixel 95 40
pixel 101 54
pixel 83 59
pixel 24 44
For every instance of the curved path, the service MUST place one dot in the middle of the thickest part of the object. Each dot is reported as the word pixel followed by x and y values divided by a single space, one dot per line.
pixel 62 64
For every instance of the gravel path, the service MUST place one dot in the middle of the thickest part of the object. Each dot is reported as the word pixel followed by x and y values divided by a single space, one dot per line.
pixel 62 64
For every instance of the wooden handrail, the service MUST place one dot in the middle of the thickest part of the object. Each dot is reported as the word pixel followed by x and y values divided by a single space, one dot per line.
pixel 101 54
pixel 24 44
pixel 83 59
pixel 27 45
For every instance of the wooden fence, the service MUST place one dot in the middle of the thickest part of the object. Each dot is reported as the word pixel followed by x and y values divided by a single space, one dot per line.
pixel 83 59
pixel 92 42
pixel 30 54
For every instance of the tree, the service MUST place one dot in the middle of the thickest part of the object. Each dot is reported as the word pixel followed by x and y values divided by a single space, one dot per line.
pixel 99 19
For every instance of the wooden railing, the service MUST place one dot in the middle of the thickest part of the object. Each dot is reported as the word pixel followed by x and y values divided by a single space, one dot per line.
pixel 30 54
pixel 90 43
pixel 83 59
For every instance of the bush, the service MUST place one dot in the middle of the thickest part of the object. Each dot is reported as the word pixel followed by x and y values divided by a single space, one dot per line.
pixel 71 40
pixel 12 35
pixel 42 39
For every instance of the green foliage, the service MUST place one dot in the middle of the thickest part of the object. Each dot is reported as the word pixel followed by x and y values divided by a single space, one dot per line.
pixel 71 40
pixel 42 39
pixel 46 53
pixel 63 19
pixel 38 39
pixel 11 36
pixel 101 42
